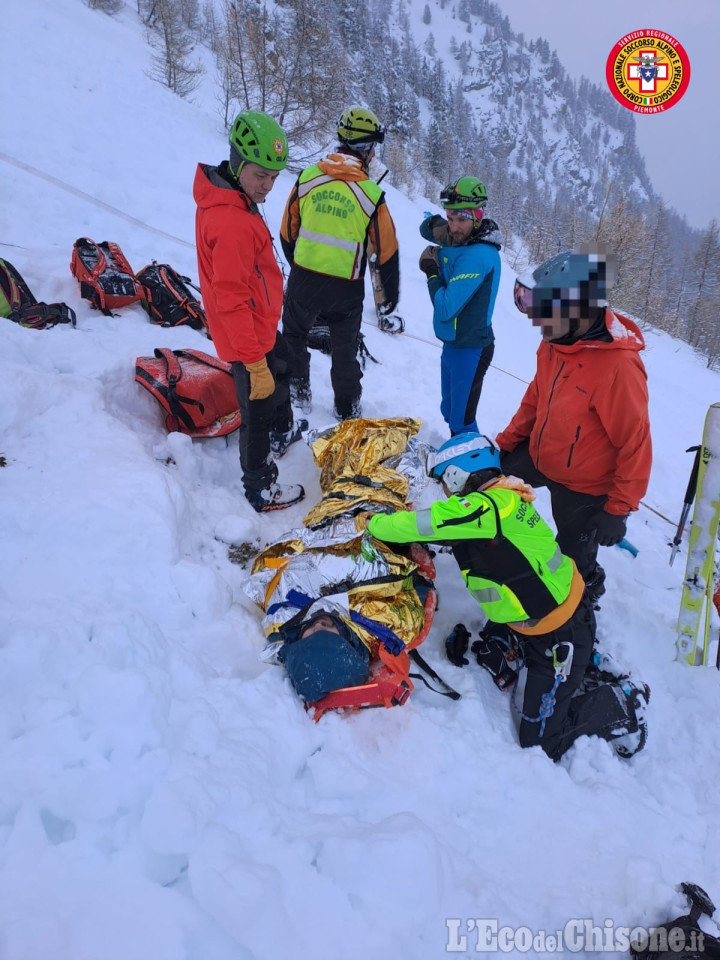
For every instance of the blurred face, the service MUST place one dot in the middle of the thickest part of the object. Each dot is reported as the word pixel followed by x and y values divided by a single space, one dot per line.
pixel 322 623
pixel 459 224
pixel 256 181
pixel 559 316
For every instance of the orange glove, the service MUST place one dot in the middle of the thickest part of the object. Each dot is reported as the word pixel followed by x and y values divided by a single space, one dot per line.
pixel 261 380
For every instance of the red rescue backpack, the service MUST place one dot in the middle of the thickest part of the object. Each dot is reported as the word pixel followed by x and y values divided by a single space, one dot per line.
pixel 106 278
pixel 390 683
pixel 197 390
pixel 168 299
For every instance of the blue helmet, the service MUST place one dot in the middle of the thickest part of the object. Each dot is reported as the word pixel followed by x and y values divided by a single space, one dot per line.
pixel 462 455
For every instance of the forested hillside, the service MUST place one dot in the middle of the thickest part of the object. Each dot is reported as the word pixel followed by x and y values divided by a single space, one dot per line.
pixel 460 91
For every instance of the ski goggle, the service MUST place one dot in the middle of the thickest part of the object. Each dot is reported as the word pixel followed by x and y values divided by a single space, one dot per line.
pixel 464 213
pixel 523 297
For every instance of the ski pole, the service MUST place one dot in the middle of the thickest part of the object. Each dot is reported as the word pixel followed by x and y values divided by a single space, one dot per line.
pixel 689 497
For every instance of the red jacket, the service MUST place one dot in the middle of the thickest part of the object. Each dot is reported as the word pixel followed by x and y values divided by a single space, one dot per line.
pixel 586 415
pixel 241 283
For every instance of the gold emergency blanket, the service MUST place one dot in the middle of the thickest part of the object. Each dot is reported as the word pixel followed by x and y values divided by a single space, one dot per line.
pixel 330 560
pixel 352 476
pixel 342 570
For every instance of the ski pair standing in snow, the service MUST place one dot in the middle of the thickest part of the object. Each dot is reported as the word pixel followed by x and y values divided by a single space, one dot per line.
pixel 242 289
pixel 582 428
pixel 463 274
pixel 334 220
pixel 533 597
pixel 699 590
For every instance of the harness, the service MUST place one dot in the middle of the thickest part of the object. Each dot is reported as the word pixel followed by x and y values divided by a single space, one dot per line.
pixel 562 658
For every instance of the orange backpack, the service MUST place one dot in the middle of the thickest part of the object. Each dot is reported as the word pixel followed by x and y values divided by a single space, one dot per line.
pixel 106 278
pixel 389 684
pixel 390 681
pixel 197 390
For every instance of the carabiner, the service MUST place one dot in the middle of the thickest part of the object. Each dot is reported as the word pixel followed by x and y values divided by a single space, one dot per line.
pixel 562 664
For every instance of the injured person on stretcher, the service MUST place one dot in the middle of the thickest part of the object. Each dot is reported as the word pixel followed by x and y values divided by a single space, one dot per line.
pixel 341 611
pixel 348 596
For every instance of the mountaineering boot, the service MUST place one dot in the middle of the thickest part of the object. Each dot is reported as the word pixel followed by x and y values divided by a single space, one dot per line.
pixel 275 497
pixel 353 411
pixel 602 668
pixel 301 395
pixel 630 736
pixel 279 442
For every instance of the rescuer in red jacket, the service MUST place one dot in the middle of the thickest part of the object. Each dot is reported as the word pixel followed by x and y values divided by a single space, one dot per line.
pixel 242 291
pixel 582 428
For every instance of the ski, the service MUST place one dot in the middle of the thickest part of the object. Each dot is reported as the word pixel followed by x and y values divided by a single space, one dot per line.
pixel 698 586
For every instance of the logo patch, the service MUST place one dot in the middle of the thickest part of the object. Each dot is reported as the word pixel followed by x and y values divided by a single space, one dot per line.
pixel 278 146
pixel 648 71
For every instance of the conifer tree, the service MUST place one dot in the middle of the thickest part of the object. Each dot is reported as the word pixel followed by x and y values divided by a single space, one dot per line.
pixel 172 43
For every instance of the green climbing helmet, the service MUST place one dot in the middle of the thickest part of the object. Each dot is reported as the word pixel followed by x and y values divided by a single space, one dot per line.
pixel 258 138
pixel 467 193
pixel 359 127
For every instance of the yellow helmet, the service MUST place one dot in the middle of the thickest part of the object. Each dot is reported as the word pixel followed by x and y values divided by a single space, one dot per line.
pixel 359 127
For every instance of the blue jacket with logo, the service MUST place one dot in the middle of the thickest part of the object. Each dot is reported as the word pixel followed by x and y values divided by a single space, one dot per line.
pixel 463 295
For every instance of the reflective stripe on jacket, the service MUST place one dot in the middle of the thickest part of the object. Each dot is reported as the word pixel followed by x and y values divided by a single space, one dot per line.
pixel 334 219
pixel 506 552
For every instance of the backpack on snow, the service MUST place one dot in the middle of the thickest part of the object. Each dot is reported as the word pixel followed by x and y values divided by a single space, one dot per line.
pixel 106 278
pixel 168 300
pixel 19 305
pixel 197 390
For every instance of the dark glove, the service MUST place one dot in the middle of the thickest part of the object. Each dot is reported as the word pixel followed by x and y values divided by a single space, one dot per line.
pixel 491 655
pixel 429 262
pixel 456 645
pixel 386 308
pixel 607 528
pixel 439 229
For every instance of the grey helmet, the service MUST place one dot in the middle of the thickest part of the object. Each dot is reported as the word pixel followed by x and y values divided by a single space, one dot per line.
pixel 587 274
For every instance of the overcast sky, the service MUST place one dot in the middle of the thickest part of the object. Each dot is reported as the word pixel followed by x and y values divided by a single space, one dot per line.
pixel 681 146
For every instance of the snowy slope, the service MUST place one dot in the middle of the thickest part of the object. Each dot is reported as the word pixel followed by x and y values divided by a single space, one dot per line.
pixel 164 796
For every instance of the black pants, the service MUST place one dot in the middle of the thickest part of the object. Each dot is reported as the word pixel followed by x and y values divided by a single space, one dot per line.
pixel 596 712
pixel 343 318
pixel 260 417
pixel 571 510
